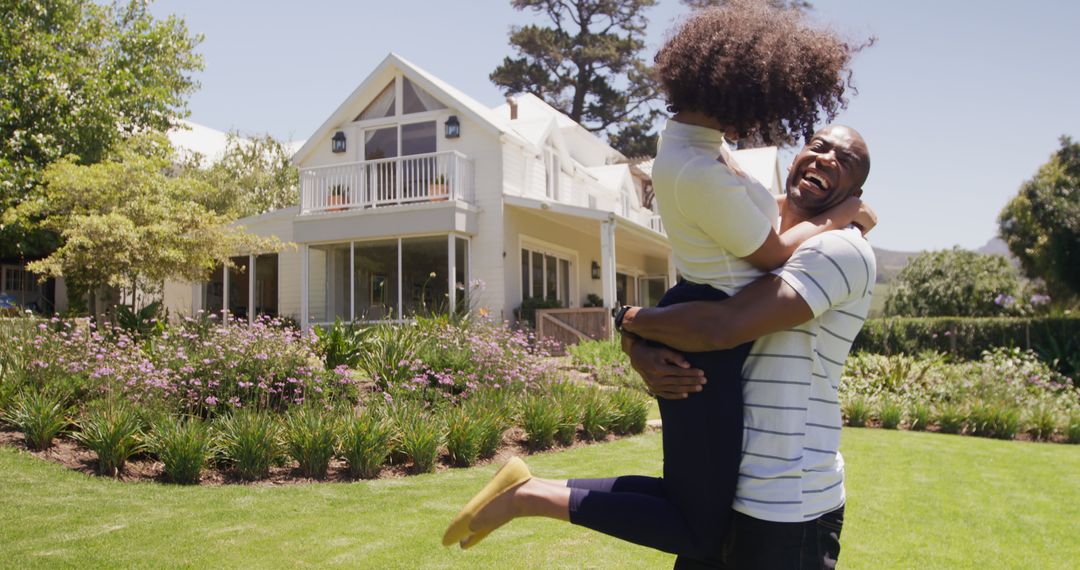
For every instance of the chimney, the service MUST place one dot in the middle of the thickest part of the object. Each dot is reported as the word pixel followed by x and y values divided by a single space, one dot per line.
pixel 513 107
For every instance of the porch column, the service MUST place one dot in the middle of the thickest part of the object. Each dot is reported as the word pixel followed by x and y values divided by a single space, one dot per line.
pixel 304 286
pixel 607 262
pixel 451 273
pixel 251 289
pixel 352 281
pixel 672 273
pixel 225 293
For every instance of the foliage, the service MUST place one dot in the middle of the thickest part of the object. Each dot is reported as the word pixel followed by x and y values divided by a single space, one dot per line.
pixel 857 411
pixel 141 323
pixel 341 344
pixel 492 411
pixel 631 411
pixel 126 222
pixel 365 443
pixel 527 310
pixel 1072 429
pixel 607 363
pixel 40 415
pixel 253 176
pixel 781 4
pixel 598 414
pixel 587 63
pixel 1041 224
pixel 421 434
pixel 310 437
pixel 890 413
pixel 184 446
pixel 463 436
pixel 952 283
pixel 114 432
pixel 951 418
pixel 567 398
pixel 78 77
pixel 250 442
pixel 1042 422
pixel 920 416
pixel 999 420
pixel 540 417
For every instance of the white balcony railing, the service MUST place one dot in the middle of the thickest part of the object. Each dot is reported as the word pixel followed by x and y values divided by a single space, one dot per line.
pixel 656 224
pixel 432 177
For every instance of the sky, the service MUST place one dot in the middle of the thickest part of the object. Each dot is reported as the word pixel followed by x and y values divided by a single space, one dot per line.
pixel 959 101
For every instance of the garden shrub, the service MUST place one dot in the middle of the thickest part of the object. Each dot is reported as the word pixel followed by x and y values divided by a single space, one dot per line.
pixel 310 438
pixel 40 415
pixel 951 418
pixel 113 431
pixel 184 446
pixel 250 442
pixel 463 435
pixel 631 411
pixel 365 443
pixel 567 397
pixel 1072 429
pixel 920 416
pixel 606 362
pixel 493 411
pixel 857 411
pixel 540 418
pixel 891 413
pixel 527 310
pixel 342 344
pixel 420 435
pixel 1042 422
pixel 994 419
pixel 598 414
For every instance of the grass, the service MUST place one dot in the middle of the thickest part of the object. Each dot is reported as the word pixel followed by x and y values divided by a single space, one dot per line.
pixel 915 500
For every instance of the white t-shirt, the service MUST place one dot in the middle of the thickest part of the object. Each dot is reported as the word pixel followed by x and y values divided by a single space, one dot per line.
pixel 713 216
pixel 791 469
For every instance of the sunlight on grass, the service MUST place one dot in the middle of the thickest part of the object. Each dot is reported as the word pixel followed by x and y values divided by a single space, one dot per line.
pixel 916 500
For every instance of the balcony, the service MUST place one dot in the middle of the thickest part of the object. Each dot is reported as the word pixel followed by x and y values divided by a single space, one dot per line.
pixel 432 177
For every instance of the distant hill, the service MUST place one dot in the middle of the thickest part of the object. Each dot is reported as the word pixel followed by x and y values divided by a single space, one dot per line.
pixel 889 262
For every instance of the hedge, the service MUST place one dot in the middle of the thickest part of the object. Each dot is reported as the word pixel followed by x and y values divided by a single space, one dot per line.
pixel 967 337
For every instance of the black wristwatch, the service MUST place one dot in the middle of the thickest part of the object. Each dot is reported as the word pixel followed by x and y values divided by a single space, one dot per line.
pixel 619 315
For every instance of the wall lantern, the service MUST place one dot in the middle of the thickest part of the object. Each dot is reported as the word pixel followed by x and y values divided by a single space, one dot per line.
pixel 595 270
pixel 337 144
pixel 453 127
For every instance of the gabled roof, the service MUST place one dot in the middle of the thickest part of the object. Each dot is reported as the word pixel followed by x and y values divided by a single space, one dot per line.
pixel 375 81
pixel 533 110
pixel 763 164
pixel 613 176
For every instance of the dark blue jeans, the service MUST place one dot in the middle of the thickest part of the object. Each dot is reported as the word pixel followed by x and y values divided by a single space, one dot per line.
pixel 687 511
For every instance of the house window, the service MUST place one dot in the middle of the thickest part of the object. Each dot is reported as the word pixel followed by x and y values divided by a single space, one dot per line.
pixel 545 275
pixel 18 280
pixel 416 100
pixel 382 106
pixel 552 170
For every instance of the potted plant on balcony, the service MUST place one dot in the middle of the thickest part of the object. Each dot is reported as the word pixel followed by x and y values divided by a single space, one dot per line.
pixel 438 190
pixel 336 197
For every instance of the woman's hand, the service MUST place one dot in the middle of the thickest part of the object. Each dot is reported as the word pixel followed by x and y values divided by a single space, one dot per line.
pixel 866 219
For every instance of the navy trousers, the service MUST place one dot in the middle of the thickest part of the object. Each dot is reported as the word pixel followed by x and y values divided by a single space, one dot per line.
pixel 688 510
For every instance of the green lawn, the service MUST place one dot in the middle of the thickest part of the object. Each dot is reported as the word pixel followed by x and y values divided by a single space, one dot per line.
pixel 916 500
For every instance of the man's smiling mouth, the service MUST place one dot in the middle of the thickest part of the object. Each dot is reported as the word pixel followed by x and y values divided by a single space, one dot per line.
pixel 817 180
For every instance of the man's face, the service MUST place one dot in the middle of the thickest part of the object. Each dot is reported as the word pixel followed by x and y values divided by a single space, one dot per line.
pixel 831 167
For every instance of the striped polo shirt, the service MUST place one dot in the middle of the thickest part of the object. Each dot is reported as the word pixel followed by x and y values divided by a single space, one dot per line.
pixel 791 467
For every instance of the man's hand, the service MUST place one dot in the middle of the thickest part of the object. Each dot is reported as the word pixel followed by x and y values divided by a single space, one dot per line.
pixel 665 371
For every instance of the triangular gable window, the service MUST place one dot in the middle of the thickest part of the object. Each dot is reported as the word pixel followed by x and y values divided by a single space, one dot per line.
pixel 382 106
pixel 416 100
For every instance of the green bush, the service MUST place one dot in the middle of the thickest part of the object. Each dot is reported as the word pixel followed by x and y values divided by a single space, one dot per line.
pixel 857 411
pixel 366 442
pixel 567 397
pixel 492 410
pixel 340 344
pixel 606 362
pixel 183 445
pixel 891 413
pixel 527 310
pixel 420 434
pixel 463 435
pixel 388 353
pixel 951 418
pixel 310 438
pixel 40 415
pixel 966 337
pixel 996 420
pixel 920 416
pixel 540 418
pixel 113 431
pixel 250 443
pixel 1042 422
pixel 631 411
pixel 1072 429
pixel 952 282
pixel 598 414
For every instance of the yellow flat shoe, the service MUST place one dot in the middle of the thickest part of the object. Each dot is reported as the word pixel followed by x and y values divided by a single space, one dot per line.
pixel 508 476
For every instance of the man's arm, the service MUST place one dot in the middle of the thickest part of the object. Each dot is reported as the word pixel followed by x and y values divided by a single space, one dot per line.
pixel 765 306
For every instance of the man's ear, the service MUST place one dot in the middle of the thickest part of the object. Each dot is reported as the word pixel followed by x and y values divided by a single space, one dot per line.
pixel 857 193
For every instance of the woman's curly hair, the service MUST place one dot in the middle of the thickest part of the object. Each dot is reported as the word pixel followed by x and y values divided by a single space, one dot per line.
pixel 755 68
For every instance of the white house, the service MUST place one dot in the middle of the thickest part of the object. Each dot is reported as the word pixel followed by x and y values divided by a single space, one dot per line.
pixel 411 191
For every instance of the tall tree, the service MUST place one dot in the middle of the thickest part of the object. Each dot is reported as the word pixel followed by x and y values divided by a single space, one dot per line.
pixel 952 283
pixel 127 221
pixel 77 77
pixel 253 176
pixel 1041 224
pixel 588 64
